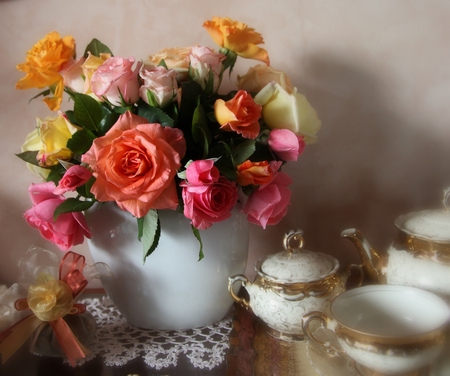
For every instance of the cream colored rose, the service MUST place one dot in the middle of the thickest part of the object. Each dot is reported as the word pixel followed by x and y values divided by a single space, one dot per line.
pixel 282 110
pixel 175 58
pixel 33 143
pixel 260 75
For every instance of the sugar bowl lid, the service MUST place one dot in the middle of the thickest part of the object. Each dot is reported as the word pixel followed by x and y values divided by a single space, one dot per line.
pixel 431 225
pixel 295 264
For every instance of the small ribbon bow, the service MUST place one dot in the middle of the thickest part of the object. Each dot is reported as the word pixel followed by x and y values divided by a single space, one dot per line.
pixel 50 300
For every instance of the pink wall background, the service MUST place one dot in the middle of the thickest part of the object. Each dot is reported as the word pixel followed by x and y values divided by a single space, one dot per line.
pixel 377 72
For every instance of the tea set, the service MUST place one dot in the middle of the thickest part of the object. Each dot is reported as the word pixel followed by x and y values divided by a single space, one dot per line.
pixel 397 324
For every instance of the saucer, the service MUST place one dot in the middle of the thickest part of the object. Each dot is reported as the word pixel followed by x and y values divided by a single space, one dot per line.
pixel 331 364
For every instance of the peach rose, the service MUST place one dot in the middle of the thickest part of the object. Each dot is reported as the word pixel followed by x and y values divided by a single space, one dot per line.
pixel 237 37
pixel 260 75
pixel 135 164
pixel 257 173
pixel 175 58
pixel 240 114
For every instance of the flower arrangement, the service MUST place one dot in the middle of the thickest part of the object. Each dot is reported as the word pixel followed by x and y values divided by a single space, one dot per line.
pixel 158 134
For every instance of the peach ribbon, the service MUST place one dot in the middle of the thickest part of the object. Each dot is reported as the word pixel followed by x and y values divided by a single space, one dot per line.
pixel 70 273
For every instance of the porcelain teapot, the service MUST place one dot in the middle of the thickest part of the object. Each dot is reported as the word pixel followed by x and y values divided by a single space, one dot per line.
pixel 419 257
pixel 290 284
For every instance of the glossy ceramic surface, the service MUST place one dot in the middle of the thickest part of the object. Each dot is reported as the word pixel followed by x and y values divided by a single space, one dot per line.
pixel 172 290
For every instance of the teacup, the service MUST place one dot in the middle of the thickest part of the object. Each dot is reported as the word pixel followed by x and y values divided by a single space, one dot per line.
pixel 385 328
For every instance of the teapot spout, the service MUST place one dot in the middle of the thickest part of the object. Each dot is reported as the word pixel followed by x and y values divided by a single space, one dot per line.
pixel 372 261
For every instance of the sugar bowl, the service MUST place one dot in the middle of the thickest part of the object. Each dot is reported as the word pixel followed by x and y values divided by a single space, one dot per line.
pixel 288 285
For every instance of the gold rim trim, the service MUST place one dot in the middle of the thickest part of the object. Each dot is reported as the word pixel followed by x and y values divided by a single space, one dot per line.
pixel 298 290
pixel 390 345
pixel 424 248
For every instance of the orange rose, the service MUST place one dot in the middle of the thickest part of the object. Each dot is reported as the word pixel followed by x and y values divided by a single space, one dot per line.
pixel 240 114
pixel 135 164
pixel 237 37
pixel 257 173
pixel 43 64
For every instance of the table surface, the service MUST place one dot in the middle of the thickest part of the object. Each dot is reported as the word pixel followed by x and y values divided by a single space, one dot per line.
pixel 251 352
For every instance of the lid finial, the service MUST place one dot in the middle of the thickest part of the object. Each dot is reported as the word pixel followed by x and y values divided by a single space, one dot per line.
pixel 293 241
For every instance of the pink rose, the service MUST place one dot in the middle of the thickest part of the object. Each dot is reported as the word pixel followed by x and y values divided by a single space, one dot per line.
pixel 135 164
pixel 73 75
pixel 205 62
pixel 161 82
pixel 68 230
pixel 268 205
pixel 202 173
pixel 208 204
pixel 73 178
pixel 286 144
pixel 116 79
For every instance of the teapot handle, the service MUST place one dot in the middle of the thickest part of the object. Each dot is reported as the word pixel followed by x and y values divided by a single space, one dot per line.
pixel 243 280
pixel 359 278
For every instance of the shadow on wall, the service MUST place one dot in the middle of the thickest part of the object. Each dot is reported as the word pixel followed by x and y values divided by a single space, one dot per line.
pixel 370 165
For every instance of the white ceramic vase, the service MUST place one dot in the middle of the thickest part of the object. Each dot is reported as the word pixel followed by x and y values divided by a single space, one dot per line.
pixel 172 290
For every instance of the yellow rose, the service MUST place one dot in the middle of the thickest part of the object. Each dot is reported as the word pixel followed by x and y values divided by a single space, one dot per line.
pixel 237 37
pixel 260 75
pixel 51 300
pixel 89 67
pixel 33 143
pixel 282 110
pixel 175 58
pixel 43 64
pixel 54 133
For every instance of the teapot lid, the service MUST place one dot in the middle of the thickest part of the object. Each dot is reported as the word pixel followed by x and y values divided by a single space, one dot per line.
pixel 296 264
pixel 428 224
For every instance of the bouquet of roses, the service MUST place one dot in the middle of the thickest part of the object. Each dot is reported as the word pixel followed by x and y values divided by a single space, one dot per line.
pixel 159 135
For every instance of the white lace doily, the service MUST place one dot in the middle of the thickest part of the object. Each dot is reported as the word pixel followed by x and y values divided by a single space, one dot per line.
pixel 117 342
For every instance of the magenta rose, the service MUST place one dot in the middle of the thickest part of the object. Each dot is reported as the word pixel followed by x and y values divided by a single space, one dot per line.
pixel 286 144
pixel 74 177
pixel 116 79
pixel 210 203
pixel 68 230
pixel 202 173
pixel 268 205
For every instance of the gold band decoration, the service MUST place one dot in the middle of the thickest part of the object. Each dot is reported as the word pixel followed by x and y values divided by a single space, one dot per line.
pixel 49 300
pixel 438 251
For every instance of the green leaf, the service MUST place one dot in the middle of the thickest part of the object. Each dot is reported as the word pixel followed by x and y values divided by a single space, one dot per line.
pixel 85 189
pixel 243 151
pixel 152 100
pixel 197 235
pixel 163 64
pixel 81 141
pixel 154 115
pixel 230 60
pixel 29 157
pixel 88 112
pixel 200 130
pixel 42 93
pixel 150 232
pixel 72 205
pixel 95 47
pixel 71 117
